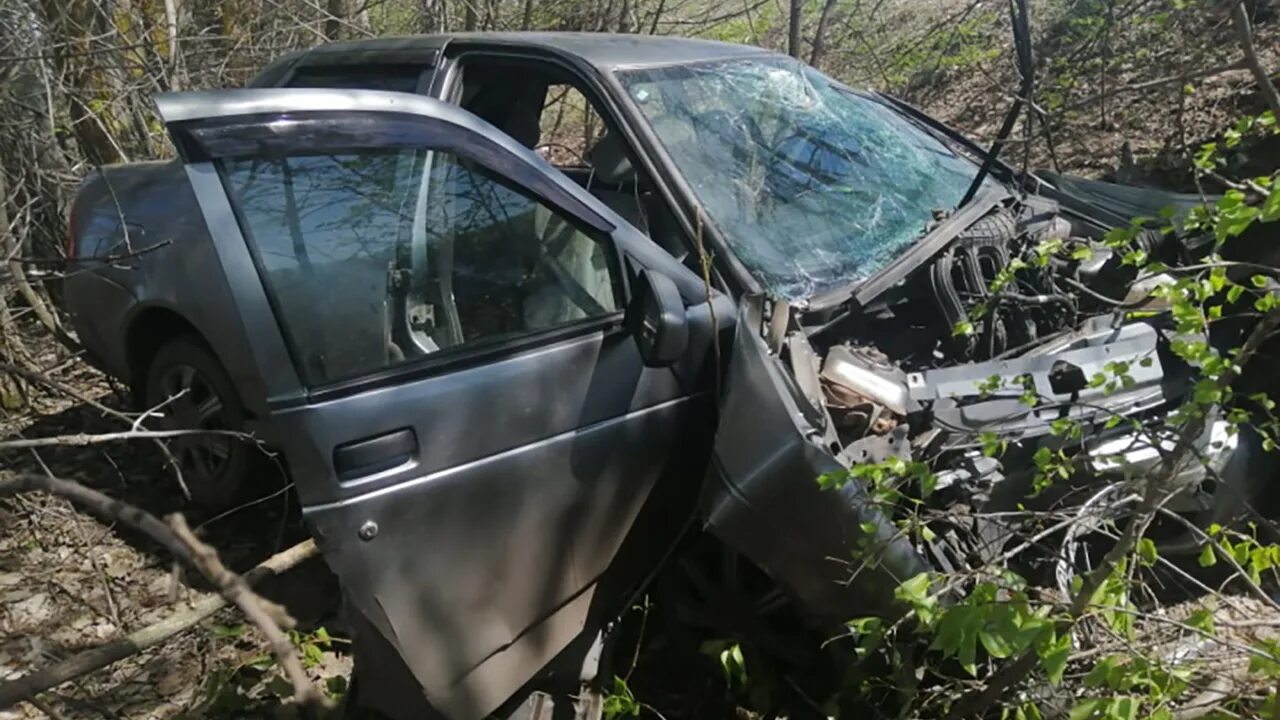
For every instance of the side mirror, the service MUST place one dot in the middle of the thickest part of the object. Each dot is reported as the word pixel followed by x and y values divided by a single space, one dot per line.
pixel 656 317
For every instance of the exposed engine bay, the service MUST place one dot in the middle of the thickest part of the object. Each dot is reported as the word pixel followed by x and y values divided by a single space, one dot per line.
pixel 1024 299
pixel 1006 323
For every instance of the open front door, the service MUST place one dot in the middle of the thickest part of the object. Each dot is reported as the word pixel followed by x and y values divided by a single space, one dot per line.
pixel 438 317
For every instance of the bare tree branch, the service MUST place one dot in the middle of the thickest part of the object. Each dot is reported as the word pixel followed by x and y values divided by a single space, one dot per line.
pixel 177 538
pixel 87 661
pixel 1244 35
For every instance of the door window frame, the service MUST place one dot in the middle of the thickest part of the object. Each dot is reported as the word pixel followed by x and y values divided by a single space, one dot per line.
pixel 282 134
pixel 424 72
pixel 451 78
pixel 619 278
pixel 603 90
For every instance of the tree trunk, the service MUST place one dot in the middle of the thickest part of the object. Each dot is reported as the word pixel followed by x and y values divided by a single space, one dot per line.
pixel 1244 34
pixel 431 21
pixel 74 29
pixel 820 34
pixel 657 17
pixel 793 28
pixel 171 38
pixel 13 247
pixel 335 13
pixel 469 15
pixel 624 17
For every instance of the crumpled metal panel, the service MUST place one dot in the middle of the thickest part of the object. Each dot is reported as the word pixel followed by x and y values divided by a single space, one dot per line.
pixel 763 499
pixel 1089 350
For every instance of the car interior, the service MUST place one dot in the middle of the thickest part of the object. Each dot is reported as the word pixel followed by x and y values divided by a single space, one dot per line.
pixel 547 110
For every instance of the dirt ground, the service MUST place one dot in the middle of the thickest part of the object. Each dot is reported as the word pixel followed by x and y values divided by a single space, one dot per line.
pixel 1139 121
pixel 69 582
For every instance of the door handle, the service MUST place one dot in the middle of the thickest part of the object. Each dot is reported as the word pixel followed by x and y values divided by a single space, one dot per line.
pixel 374 454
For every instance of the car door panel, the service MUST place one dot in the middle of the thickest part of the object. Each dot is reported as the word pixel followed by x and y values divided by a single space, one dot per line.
pixel 489 489
pixel 499 554
pixel 521 399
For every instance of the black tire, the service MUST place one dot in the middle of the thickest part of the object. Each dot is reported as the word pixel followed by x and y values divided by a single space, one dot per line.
pixel 215 468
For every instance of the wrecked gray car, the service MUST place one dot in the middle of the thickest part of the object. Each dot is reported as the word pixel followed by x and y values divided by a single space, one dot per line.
pixel 508 390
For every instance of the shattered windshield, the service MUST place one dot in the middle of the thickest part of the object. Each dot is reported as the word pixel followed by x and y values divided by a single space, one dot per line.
pixel 813 185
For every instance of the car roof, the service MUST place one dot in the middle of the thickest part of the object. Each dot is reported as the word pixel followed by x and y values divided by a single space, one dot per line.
pixel 606 51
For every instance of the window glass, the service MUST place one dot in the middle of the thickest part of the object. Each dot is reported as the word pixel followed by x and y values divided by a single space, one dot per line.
pixel 375 258
pixel 395 78
pixel 500 263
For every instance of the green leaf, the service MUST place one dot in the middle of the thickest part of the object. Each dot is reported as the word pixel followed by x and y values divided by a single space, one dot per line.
pixel 1087 709
pixel 1147 551
pixel 1082 252
pixel 1207 557
pixel 1104 672
pixel 261 662
pixel 1125 708
pixel 1053 657
pixel 1267 661
pixel 1233 223
pixel 336 686
pixel 995 643
pixel 1201 620
pixel 620 701
pixel 312 655
pixel 915 590
pixel 833 480
pixel 1218 279
pixel 280 687
pixel 1271 206
pixel 228 631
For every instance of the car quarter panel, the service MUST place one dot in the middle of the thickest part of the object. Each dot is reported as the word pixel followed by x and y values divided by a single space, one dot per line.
pixel 162 257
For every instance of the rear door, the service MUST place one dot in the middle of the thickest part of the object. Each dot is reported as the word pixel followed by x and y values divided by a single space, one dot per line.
pixel 438 316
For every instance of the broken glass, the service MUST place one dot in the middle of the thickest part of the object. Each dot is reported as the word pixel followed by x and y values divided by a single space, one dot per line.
pixel 814 186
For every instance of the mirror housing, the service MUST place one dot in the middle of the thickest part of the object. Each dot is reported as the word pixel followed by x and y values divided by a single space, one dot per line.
pixel 656 318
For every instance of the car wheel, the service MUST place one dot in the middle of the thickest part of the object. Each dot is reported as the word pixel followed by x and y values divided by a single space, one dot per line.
pixel 192 391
